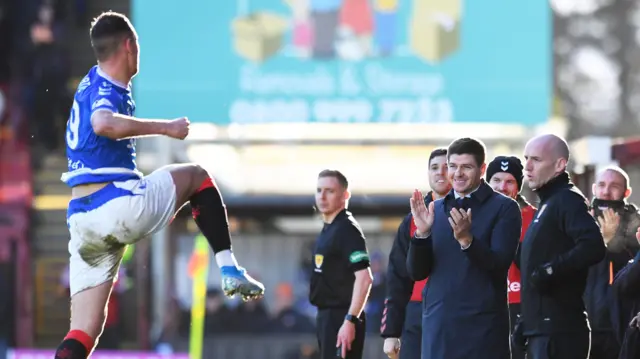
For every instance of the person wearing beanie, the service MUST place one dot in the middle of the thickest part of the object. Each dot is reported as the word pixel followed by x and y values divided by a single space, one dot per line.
pixel 505 175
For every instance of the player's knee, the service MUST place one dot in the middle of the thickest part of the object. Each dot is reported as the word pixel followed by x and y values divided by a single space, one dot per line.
pixel 199 173
pixel 199 176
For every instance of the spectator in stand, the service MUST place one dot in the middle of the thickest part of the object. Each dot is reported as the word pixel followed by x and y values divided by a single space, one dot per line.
pixel 287 319
pixel 218 317
pixel 48 77
pixel 251 317
pixel 81 13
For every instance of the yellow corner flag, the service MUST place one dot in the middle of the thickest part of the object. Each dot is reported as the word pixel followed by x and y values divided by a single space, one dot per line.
pixel 199 271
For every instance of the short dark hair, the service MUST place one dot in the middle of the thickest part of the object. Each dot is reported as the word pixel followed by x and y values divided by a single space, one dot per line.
pixel 438 152
pixel 468 146
pixel 107 31
pixel 342 180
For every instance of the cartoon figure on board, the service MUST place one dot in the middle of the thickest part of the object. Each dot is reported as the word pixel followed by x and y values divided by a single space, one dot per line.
pixel 356 27
pixel 324 27
pixel 386 23
pixel 434 29
pixel 302 35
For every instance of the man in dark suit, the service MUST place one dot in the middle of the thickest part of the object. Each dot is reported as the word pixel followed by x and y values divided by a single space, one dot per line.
pixel 465 244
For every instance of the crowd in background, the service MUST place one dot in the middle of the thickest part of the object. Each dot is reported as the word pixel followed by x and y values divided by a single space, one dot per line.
pixel 34 70
pixel 290 314
pixel 36 62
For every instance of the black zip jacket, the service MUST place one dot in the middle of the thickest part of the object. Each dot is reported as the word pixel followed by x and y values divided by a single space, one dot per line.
pixel 625 303
pixel 399 284
pixel 597 295
pixel 562 242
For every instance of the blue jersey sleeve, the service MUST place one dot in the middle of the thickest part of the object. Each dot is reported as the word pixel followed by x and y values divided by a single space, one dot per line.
pixel 105 98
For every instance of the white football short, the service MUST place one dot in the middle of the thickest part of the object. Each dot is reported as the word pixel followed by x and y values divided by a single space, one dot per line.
pixel 103 223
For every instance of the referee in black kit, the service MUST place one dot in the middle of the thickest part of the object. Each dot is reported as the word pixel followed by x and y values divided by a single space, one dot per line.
pixel 341 277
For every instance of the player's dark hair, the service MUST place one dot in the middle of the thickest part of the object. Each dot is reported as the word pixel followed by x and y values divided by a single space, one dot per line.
pixel 438 152
pixel 342 180
pixel 468 146
pixel 107 32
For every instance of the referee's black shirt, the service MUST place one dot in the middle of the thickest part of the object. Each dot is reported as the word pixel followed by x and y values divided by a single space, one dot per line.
pixel 340 251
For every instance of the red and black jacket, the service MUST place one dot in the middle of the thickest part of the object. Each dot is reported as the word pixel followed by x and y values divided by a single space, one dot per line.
pixel 513 277
pixel 400 287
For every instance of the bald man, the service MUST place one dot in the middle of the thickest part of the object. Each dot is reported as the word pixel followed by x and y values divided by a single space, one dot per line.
pixel 560 245
pixel 619 221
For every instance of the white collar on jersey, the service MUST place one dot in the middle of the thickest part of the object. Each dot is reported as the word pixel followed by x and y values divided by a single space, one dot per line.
pixel 110 79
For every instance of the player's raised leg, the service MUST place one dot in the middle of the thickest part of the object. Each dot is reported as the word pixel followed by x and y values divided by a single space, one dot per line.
pixel 194 185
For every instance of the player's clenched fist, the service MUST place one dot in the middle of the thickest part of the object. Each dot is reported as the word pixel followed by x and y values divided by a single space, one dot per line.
pixel 178 128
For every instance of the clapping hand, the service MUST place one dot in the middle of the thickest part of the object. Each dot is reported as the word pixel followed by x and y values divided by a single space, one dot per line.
pixel 460 222
pixel 609 222
pixel 422 216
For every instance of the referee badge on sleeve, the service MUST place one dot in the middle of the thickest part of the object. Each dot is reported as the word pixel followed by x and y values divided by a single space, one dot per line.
pixel 358 256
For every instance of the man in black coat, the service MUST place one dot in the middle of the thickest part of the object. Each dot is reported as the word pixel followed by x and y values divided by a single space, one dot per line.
pixel 465 244
pixel 624 305
pixel 560 245
pixel 402 318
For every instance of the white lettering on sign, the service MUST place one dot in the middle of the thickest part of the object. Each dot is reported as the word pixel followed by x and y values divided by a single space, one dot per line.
pixel 339 110
pixel 513 286
pixel 424 110
pixel 319 82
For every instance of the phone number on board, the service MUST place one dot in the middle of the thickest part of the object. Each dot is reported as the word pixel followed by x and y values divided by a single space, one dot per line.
pixel 342 111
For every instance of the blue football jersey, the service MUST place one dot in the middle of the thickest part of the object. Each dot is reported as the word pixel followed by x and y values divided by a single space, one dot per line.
pixel 92 158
